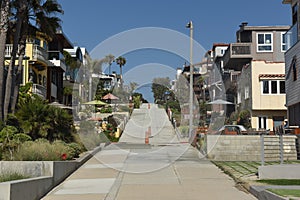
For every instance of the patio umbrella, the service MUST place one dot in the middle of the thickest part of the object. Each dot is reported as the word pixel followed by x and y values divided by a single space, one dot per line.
pixel 220 101
pixel 95 102
pixel 110 96
pixel 59 105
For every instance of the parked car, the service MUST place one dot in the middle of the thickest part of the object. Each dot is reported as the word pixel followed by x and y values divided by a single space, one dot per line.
pixel 232 130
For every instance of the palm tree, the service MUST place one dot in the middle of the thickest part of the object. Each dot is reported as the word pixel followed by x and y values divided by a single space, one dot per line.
pixel 4 20
pixel 21 7
pixel 121 61
pixel 110 59
pixel 41 13
pixel 94 67
pixel 34 118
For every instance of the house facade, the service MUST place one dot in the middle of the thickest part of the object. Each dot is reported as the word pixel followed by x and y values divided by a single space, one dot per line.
pixel 261 90
pixel 56 71
pixel 35 64
pixel 292 65
pixel 253 74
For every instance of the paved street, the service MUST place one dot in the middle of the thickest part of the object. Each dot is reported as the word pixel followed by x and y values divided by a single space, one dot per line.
pixel 162 169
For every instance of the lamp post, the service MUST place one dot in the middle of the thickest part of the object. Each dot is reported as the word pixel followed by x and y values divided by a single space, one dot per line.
pixel 190 26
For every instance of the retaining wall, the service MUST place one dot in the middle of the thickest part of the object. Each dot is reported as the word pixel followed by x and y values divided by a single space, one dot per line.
pixel 45 176
pixel 248 147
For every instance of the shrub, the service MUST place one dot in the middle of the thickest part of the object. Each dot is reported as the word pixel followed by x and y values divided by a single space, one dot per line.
pixel 76 149
pixel 42 150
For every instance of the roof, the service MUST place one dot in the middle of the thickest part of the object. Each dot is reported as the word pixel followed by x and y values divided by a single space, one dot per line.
pixel 271 76
pixel 219 45
pixel 264 28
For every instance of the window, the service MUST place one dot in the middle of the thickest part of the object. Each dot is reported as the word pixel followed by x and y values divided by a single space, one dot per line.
pixel 264 42
pixel 273 87
pixel 265 87
pixel 282 87
pixel 45 45
pixel 283 43
pixel 247 92
pixel 262 122
pixel 239 99
pixel 294 68
pixel 37 42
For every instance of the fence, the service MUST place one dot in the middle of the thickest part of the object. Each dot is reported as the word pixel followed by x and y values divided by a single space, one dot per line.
pixel 278 148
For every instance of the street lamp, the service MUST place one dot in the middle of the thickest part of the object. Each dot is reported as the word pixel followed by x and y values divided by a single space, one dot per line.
pixel 190 26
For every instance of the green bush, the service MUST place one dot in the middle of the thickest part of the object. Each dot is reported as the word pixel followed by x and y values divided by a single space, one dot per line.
pixel 76 149
pixel 43 150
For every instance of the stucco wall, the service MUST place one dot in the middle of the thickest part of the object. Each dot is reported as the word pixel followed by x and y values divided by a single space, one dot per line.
pixel 266 101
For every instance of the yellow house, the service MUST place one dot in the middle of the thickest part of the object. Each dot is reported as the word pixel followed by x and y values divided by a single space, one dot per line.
pixel 35 63
pixel 261 90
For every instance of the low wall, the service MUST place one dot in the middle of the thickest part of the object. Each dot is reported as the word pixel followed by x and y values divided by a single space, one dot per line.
pixel 46 175
pixel 248 147
pixel 286 171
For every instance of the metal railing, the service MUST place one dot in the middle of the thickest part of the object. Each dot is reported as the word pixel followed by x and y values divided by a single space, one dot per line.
pixel 8 50
pixel 39 90
pixel 39 53
pixel 277 148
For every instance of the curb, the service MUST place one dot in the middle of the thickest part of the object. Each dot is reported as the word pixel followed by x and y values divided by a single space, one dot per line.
pixel 261 193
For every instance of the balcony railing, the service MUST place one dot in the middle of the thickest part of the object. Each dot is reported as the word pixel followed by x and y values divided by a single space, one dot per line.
pixel 39 53
pixel 57 58
pixel 8 50
pixel 237 51
pixel 240 49
pixel 291 36
pixel 39 90
pixel 55 55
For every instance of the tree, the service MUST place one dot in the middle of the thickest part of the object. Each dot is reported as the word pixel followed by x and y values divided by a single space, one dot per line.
pixel 110 59
pixel 46 23
pixel 94 66
pixel 132 87
pixel 159 87
pixel 29 13
pixel 4 21
pixel 34 119
pixel 121 61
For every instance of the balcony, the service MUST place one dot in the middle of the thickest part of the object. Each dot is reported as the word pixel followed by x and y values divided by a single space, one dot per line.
pixel 39 53
pixel 8 50
pixel 39 90
pixel 291 36
pixel 237 55
pixel 58 59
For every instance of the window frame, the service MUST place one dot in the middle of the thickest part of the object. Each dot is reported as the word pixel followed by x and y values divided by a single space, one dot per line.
pixel 270 88
pixel 294 69
pixel 247 92
pixel 283 43
pixel 259 45
pixel 262 120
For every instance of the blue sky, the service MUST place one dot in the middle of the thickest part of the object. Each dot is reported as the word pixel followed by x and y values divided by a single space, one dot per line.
pixel 88 23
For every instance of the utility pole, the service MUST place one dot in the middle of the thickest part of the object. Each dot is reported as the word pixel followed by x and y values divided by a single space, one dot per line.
pixel 190 26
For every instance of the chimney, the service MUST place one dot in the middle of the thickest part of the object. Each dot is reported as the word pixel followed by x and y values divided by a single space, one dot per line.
pixel 243 24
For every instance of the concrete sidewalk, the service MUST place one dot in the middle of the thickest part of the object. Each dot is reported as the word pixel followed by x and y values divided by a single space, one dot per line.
pixel 164 169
